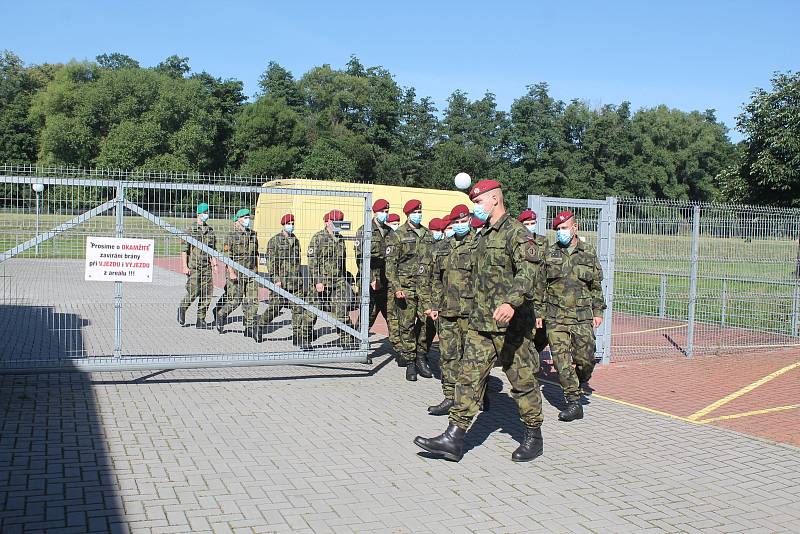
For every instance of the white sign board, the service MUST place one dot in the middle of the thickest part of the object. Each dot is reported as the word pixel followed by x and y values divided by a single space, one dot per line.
pixel 118 259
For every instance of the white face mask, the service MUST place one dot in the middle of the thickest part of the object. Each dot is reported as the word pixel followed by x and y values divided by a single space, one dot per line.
pixel 288 228
pixel 245 222
pixel 203 217
pixel 394 226
pixel 381 216
pixel 437 235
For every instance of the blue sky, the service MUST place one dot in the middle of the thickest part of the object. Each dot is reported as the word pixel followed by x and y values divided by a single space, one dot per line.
pixel 688 55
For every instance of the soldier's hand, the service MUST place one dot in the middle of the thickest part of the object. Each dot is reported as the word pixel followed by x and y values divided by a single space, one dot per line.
pixel 539 323
pixel 187 271
pixel 434 314
pixel 400 294
pixel 375 285
pixel 503 313
pixel 277 284
pixel 234 276
pixel 597 321
pixel 320 287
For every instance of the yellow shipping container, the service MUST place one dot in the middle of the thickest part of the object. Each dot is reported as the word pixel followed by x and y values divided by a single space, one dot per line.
pixel 310 209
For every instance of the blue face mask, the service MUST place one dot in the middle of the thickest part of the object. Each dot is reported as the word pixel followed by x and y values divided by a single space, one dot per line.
pixel 480 213
pixel 449 232
pixel 437 235
pixel 531 227
pixel 246 222
pixel 381 216
pixel 288 228
pixel 461 228
pixel 203 217
pixel 415 218
pixel 564 236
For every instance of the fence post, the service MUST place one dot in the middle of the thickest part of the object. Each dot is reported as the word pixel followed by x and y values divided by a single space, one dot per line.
pixel 366 257
pixel 724 300
pixel 795 309
pixel 693 281
pixel 536 204
pixel 662 297
pixel 608 278
pixel 120 230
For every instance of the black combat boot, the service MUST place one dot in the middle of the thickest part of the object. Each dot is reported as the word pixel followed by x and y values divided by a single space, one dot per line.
pixel 443 408
pixel 181 316
pixel 219 323
pixel 531 446
pixel 450 445
pixel 401 361
pixel 573 411
pixel 201 324
pixel 423 369
pixel 411 372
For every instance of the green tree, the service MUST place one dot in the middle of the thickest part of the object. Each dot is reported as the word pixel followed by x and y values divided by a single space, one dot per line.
pixel 116 61
pixel 277 82
pixel 770 166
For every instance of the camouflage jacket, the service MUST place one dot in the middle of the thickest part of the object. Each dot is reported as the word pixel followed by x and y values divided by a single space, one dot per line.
pixel 326 257
pixel 505 263
pixel 451 287
pixel 534 306
pixel 407 257
pixel 242 247
pixel 196 258
pixel 377 265
pixel 572 292
pixel 283 260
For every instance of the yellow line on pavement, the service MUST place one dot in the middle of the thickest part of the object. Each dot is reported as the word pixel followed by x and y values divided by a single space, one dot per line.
pixel 748 414
pixel 650 330
pixel 747 389
pixel 633 405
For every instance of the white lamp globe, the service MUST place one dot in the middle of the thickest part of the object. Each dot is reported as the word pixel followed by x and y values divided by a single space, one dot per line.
pixel 462 180
pixel 38 187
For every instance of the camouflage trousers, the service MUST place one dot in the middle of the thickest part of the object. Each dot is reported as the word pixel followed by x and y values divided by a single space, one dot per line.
pixel 572 343
pixel 242 291
pixel 415 328
pixel 334 300
pixel 301 319
pixel 452 338
pixel 199 284
pixel 512 351
pixel 391 320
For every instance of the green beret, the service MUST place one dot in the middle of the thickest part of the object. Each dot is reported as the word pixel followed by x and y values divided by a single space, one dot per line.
pixel 202 208
pixel 241 213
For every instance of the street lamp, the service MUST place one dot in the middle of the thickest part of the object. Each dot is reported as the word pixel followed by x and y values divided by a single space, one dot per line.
pixel 37 188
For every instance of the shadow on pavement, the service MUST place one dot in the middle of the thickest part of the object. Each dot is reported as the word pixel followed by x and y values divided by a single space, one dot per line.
pixel 55 468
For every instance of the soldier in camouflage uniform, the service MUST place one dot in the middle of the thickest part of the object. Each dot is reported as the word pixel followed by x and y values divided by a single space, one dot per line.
pixel 198 268
pixel 393 222
pixel 407 263
pixel 241 246
pixel 528 219
pixel 573 303
pixel 451 300
pixel 505 263
pixel 326 266
pixel 283 269
pixel 378 283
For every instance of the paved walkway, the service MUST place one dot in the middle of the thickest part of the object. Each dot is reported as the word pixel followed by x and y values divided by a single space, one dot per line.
pixel 329 449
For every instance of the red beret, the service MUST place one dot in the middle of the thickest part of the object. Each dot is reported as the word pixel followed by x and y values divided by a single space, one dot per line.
pixel 333 215
pixel 527 215
pixel 482 187
pixel 447 220
pixel 562 216
pixel 287 218
pixel 459 212
pixel 393 217
pixel 477 223
pixel 437 224
pixel 412 205
pixel 380 204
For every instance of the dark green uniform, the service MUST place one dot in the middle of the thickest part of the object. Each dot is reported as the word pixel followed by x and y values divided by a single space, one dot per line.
pixel 377 297
pixel 326 265
pixel 242 247
pixel 572 297
pixel 283 267
pixel 408 261
pixel 451 295
pixel 505 259
pixel 540 337
pixel 200 282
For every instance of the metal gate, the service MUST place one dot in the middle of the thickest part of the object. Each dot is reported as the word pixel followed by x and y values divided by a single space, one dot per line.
pixel 597 222
pixel 52 318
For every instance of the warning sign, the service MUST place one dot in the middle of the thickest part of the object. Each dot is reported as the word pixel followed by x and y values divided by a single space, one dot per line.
pixel 118 259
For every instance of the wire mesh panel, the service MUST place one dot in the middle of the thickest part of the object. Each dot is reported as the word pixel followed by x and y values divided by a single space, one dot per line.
pixel 283 290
